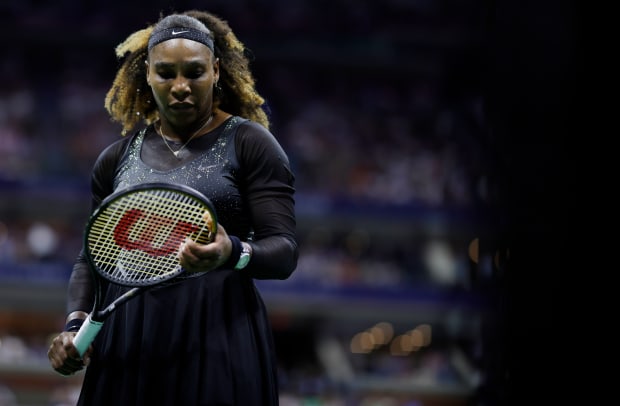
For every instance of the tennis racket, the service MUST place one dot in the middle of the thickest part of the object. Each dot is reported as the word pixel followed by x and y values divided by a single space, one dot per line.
pixel 133 238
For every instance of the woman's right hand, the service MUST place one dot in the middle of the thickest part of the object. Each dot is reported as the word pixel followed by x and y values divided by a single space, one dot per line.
pixel 63 355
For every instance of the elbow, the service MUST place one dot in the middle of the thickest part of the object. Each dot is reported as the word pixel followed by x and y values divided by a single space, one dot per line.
pixel 277 264
pixel 287 269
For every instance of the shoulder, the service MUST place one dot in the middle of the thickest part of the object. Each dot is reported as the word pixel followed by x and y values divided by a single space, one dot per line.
pixel 261 154
pixel 114 151
pixel 108 161
pixel 251 129
pixel 254 136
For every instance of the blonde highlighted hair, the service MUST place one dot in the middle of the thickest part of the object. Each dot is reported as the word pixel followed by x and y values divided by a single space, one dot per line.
pixel 130 101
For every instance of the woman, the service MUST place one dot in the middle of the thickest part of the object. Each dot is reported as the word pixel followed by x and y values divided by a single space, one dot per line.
pixel 205 340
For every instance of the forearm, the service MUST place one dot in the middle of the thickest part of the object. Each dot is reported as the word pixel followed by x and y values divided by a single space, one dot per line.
pixel 80 292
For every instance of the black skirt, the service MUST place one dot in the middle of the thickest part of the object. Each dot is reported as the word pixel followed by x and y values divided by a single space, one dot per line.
pixel 203 341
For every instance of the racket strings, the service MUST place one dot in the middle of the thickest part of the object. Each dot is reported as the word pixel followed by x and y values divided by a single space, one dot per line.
pixel 135 239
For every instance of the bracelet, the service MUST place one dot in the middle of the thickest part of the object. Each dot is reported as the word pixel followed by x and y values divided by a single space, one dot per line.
pixel 235 253
pixel 74 325
pixel 244 258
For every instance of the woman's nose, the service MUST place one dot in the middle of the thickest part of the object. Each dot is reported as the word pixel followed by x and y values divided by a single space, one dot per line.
pixel 180 87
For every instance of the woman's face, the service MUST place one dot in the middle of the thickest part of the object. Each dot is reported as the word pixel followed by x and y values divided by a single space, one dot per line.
pixel 181 74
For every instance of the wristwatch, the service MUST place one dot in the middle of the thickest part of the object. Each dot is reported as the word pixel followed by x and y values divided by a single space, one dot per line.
pixel 244 258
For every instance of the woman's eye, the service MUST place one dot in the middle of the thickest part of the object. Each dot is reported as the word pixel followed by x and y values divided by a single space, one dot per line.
pixel 194 74
pixel 167 75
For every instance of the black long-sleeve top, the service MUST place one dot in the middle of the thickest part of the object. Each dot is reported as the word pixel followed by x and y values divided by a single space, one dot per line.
pixel 239 166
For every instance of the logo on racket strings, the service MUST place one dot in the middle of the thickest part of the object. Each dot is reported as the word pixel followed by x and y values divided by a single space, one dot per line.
pixel 151 236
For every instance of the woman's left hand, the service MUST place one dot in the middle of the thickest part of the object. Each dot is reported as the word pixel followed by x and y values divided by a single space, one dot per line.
pixel 196 257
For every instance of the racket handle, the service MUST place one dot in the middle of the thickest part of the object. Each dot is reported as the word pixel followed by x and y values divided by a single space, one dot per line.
pixel 86 334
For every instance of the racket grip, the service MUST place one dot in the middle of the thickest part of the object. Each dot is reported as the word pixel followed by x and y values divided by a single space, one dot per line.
pixel 86 334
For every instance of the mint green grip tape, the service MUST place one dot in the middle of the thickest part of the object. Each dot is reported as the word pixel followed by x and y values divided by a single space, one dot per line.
pixel 86 334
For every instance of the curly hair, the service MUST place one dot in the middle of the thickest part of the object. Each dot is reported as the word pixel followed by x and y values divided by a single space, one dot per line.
pixel 130 101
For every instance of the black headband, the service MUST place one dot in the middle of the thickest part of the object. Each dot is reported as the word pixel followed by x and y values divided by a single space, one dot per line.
pixel 180 32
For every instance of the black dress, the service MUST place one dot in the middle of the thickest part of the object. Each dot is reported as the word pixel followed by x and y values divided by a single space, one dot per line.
pixel 207 339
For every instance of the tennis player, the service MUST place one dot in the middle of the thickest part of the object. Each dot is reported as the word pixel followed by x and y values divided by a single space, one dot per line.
pixel 190 114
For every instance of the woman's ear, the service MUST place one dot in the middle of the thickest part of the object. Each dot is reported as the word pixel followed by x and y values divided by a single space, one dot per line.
pixel 216 70
pixel 148 82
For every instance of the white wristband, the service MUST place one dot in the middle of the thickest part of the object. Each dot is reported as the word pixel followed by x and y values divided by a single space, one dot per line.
pixel 244 258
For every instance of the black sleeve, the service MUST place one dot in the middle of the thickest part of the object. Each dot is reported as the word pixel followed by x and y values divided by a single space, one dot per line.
pixel 269 185
pixel 80 293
